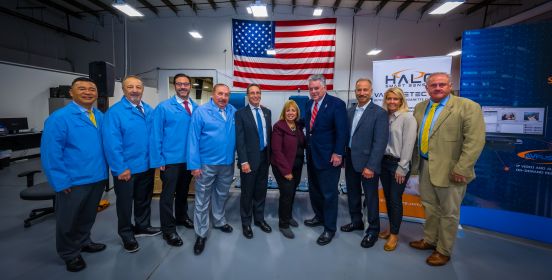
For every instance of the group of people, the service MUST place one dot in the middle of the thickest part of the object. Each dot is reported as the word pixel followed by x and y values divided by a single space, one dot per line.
pixel 185 141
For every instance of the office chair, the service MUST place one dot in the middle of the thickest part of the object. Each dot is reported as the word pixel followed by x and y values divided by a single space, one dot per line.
pixel 41 191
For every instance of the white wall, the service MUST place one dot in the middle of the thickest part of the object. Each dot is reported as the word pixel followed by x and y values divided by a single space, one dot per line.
pixel 25 91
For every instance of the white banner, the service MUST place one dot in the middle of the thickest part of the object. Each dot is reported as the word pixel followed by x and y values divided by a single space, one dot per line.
pixel 409 74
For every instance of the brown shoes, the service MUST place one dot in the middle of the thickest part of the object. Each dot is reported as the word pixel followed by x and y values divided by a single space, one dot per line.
pixel 391 243
pixel 421 245
pixel 384 234
pixel 437 259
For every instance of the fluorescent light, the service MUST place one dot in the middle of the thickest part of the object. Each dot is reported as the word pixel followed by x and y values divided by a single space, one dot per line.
pixel 205 87
pixel 446 7
pixel 374 52
pixel 455 53
pixel 195 34
pixel 195 84
pixel 317 12
pixel 127 9
pixel 259 10
pixel 271 52
pixel 249 11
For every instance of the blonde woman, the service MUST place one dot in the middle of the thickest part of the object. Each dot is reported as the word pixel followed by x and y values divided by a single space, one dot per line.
pixel 395 167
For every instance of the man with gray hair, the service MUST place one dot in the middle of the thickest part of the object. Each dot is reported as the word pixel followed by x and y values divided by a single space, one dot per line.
pixel 451 136
pixel 125 135
pixel 211 146
pixel 326 137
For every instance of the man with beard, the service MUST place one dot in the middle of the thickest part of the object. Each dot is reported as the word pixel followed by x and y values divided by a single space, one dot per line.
pixel 125 136
pixel 168 152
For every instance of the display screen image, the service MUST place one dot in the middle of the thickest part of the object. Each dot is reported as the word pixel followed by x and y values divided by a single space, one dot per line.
pixel 512 120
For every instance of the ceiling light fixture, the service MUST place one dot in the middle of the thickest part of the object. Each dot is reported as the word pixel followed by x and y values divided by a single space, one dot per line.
pixel 249 11
pixel 259 9
pixel 373 52
pixel 127 9
pixel 455 53
pixel 195 34
pixel 446 7
pixel 317 12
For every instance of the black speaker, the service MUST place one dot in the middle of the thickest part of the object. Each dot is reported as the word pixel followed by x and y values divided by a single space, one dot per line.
pixel 103 74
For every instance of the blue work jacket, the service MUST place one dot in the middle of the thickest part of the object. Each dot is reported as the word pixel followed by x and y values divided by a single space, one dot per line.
pixel 126 133
pixel 71 148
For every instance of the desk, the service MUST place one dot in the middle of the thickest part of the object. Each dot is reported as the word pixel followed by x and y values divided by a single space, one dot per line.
pixel 20 141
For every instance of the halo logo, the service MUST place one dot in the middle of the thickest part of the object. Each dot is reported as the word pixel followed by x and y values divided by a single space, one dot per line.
pixel 537 156
pixel 406 77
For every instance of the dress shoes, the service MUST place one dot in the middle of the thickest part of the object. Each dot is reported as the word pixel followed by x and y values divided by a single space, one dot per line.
pixel 149 231
pixel 131 245
pixel 369 240
pixel 225 228
pixel 76 264
pixel 351 227
pixel 186 222
pixel 93 247
pixel 384 235
pixel 264 226
pixel 293 222
pixel 421 245
pixel 314 222
pixel 199 245
pixel 173 239
pixel 437 259
pixel 325 238
pixel 391 243
pixel 287 233
pixel 247 232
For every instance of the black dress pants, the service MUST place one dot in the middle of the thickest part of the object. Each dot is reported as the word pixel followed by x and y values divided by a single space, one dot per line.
pixel 136 192
pixel 393 193
pixel 253 192
pixel 287 192
pixel 176 184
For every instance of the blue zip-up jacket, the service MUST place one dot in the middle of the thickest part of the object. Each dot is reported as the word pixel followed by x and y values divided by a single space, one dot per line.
pixel 126 134
pixel 211 140
pixel 170 124
pixel 71 148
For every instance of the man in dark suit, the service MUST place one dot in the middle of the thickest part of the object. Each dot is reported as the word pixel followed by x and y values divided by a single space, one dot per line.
pixel 326 127
pixel 369 133
pixel 253 132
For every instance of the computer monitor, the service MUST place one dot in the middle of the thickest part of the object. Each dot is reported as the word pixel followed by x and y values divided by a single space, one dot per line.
pixel 514 120
pixel 14 125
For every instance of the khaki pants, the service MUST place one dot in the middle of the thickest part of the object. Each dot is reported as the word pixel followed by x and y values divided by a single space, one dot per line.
pixel 442 211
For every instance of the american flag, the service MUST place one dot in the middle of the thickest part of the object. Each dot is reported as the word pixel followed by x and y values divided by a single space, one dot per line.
pixel 302 48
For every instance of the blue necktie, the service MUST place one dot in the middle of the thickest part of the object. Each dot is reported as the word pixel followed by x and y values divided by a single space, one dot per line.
pixel 260 129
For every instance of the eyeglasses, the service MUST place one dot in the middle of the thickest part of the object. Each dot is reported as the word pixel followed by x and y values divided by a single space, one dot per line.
pixel 182 84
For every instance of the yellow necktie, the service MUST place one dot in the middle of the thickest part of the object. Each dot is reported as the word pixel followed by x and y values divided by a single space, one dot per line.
pixel 92 117
pixel 427 125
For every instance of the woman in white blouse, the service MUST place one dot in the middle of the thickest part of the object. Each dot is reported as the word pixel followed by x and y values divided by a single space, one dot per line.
pixel 395 167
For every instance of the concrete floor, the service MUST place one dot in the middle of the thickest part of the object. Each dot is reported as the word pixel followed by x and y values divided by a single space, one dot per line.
pixel 29 253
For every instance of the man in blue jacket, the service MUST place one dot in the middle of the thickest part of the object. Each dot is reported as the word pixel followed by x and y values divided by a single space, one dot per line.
pixel 212 143
pixel 326 127
pixel 168 150
pixel 125 135
pixel 74 162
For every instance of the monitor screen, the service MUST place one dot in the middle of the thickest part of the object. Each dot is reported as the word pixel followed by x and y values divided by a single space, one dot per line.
pixel 14 124
pixel 513 120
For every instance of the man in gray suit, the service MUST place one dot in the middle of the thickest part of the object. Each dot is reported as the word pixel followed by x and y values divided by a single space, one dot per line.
pixel 253 131
pixel 369 133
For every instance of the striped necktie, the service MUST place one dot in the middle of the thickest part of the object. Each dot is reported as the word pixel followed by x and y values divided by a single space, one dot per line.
pixel 314 113
pixel 427 125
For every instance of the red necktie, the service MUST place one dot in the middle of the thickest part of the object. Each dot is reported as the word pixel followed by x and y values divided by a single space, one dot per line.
pixel 314 112
pixel 187 107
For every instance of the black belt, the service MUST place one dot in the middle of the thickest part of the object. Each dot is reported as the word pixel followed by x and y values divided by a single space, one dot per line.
pixel 391 158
